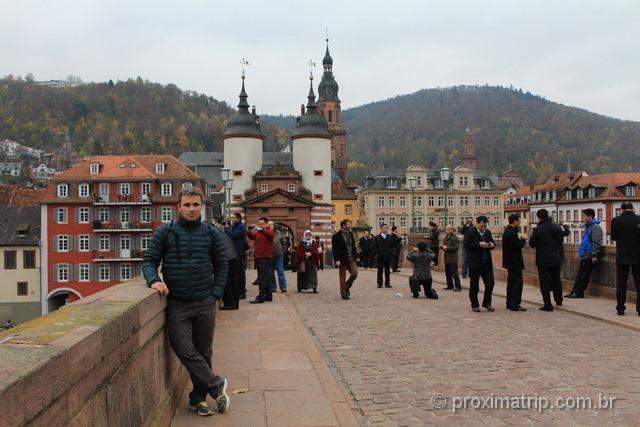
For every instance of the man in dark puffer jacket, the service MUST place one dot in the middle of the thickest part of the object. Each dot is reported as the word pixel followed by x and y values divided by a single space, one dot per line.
pixel 194 273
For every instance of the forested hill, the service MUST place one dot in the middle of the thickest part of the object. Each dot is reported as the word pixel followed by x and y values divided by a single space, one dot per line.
pixel 535 135
pixel 133 116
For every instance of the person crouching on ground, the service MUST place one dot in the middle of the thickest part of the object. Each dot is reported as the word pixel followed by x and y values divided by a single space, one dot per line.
pixel 421 259
pixel 194 273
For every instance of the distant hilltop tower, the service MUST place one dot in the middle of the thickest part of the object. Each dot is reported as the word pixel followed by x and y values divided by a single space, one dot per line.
pixel 469 151
pixel 329 106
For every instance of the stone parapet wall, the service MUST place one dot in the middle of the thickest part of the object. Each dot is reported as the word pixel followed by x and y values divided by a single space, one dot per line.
pixel 102 361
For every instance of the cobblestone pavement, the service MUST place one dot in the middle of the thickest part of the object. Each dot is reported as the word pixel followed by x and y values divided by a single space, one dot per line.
pixel 395 353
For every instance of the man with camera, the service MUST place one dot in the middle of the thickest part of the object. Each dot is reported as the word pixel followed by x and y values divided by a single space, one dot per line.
pixel 263 236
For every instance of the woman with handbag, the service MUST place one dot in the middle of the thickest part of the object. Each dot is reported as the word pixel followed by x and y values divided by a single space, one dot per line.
pixel 421 258
pixel 306 263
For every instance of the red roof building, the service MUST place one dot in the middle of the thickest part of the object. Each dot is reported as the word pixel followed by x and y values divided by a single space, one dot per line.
pixel 98 217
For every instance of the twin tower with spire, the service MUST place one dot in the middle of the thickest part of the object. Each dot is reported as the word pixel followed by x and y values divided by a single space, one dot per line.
pixel 318 142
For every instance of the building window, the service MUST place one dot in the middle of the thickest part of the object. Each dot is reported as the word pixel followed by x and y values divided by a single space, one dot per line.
pixel 187 184
pixel 417 222
pixel 318 196
pixel 392 221
pixel 591 193
pixel 477 201
pixel 576 217
pixel 166 189
pixel 561 216
pixel 83 272
pixel 61 215
pixel 83 215
pixel 403 221
pixel 393 183
pixel 23 289
pixel 486 183
pixel 104 272
pixel 630 191
pixel 317 173
pixel 291 188
pixel 576 236
pixel 417 201
pixel 145 188
pixel 125 242
pixel 568 216
pixel 579 194
pixel 463 181
pixel 330 116
pixel 9 260
pixel 392 202
pixel 237 173
pixel 125 189
pixel 63 190
pixel 554 195
pixel 496 221
pixel 568 195
pixel 496 200
pixel 546 196
pixel 599 214
pixel 381 202
pixel 145 214
pixel 125 216
pixel 464 201
pixel 441 201
pixel 144 241
pixel 437 183
pixel 105 243
pixel 83 243
pixel 94 169
pixel 63 273
pixel 83 190
pixel 103 215
pixel 381 220
pixel 264 188
pixel 125 271
pixel 403 201
pixel 348 209
pixel 166 214
pixel 450 201
pixel 418 181
pixel 430 201
pixel 28 259
pixel 160 167
pixel 63 243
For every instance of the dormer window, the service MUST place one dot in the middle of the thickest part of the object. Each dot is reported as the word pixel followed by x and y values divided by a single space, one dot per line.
pixel 291 188
pixel 63 190
pixel 393 183
pixel 579 194
pixel 568 195
pixel 554 195
pixel 630 191
pixel 485 183
pixel 591 193
pixel 437 183
pixel 94 168
pixel 187 184
pixel 160 167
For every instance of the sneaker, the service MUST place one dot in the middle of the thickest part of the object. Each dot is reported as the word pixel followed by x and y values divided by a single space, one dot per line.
pixel 202 409
pixel 221 397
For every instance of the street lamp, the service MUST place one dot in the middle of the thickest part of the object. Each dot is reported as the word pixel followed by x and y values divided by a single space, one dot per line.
pixel 444 177
pixel 413 183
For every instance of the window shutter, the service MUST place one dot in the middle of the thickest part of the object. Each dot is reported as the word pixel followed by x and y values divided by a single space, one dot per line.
pixel 116 275
pixel 55 243
pixel 65 215
pixel 76 212
pixel 55 272
pixel 92 272
pixel 71 272
pixel 71 239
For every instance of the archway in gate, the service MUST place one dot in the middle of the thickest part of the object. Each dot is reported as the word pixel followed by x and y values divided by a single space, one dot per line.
pixel 288 243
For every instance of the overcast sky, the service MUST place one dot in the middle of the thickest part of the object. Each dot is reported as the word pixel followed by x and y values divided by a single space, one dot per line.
pixel 579 53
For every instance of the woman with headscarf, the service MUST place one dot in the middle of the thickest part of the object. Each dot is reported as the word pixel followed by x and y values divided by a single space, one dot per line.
pixel 306 263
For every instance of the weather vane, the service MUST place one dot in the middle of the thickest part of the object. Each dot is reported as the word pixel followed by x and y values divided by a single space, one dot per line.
pixel 326 31
pixel 244 62
pixel 311 66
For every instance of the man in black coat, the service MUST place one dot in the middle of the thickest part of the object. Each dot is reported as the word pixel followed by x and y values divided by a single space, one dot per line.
pixel 625 231
pixel 547 239
pixel 343 246
pixel 397 247
pixel 366 250
pixel 383 244
pixel 512 245
pixel 478 243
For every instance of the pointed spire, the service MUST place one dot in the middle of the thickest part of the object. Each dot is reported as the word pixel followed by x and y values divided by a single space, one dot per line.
pixel 243 105
pixel 312 96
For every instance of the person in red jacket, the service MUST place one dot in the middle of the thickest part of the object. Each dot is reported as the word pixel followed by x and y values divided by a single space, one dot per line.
pixel 263 236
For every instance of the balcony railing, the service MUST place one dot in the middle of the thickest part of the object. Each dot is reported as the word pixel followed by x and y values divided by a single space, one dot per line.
pixel 121 199
pixel 118 227
pixel 118 255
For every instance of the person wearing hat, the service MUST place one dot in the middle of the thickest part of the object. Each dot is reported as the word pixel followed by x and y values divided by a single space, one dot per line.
pixel 625 231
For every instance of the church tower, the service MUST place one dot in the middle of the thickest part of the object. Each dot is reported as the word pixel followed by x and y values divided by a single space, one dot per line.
pixel 311 142
pixel 469 151
pixel 329 107
pixel 242 147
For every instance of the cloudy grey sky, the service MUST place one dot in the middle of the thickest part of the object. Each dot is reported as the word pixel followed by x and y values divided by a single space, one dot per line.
pixel 579 53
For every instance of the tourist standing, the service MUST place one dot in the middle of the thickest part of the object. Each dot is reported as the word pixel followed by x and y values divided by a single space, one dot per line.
pixel 343 247
pixel 449 246
pixel 479 243
pixel 468 225
pixel 434 241
pixel 383 244
pixel 589 252
pixel 512 245
pixel 366 250
pixel 397 248
pixel 278 261
pixel 547 239
pixel 625 231
pixel 320 246
pixel 306 263
pixel 263 236
pixel 237 232
pixel 194 273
